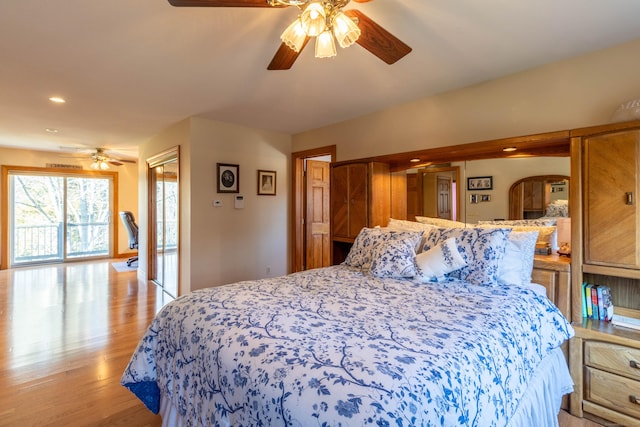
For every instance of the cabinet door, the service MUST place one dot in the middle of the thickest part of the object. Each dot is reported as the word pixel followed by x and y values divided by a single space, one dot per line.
pixel 349 186
pixel 358 198
pixel 340 201
pixel 611 209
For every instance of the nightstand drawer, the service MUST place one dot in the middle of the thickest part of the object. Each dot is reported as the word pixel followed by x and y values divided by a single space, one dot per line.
pixel 613 358
pixel 612 391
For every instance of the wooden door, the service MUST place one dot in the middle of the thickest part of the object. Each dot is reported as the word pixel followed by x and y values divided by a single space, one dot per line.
pixel 444 197
pixel 611 208
pixel 317 221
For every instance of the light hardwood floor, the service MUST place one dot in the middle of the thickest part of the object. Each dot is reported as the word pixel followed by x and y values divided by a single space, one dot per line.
pixel 67 333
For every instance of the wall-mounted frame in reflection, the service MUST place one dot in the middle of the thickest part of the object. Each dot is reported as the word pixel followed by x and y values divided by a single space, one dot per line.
pixel 228 178
pixel 480 183
pixel 266 183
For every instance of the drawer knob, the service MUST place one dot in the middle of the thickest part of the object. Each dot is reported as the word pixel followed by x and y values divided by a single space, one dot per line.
pixel 634 364
pixel 634 399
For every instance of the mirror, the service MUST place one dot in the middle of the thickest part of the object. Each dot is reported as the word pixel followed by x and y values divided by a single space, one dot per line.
pixel 473 205
pixel 537 196
pixel 438 193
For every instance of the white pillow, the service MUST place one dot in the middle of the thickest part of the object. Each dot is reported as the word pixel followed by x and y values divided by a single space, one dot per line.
pixel 517 265
pixel 441 259
pixel 547 234
pixel 440 222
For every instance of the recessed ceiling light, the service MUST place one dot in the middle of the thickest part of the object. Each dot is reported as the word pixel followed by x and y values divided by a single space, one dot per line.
pixel 414 160
pixel 57 100
pixel 509 149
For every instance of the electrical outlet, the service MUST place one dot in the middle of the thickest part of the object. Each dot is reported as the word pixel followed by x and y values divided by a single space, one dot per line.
pixel 216 203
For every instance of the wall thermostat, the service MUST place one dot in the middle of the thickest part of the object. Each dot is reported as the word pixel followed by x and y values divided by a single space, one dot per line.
pixel 239 204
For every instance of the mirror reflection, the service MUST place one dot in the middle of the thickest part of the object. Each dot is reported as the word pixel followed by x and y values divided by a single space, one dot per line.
pixel 473 205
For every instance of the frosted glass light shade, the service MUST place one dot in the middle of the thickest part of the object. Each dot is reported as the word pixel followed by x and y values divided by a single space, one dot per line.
pixel 313 19
pixel 345 30
pixel 294 36
pixel 325 47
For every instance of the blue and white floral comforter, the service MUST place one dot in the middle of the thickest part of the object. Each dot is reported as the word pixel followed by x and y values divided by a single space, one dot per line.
pixel 334 347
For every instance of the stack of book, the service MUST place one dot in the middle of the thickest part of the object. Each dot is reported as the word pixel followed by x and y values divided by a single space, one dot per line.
pixel 596 302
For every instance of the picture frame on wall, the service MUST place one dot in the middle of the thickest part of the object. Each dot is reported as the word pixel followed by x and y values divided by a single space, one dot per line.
pixel 480 183
pixel 228 178
pixel 266 183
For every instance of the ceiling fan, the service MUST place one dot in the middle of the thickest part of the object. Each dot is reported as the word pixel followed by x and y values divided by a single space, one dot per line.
pixel 101 158
pixel 328 22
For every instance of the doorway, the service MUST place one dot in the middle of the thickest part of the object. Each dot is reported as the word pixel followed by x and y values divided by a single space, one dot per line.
pixel 437 192
pixel 311 234
pixel 164 254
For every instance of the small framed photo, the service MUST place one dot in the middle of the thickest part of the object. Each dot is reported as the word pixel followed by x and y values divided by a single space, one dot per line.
pixel 266 183
pixel 480 183
pixel 228 178
pixel 473 198
pixel 485 198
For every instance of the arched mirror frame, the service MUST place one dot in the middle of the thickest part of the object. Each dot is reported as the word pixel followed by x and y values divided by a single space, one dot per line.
pixel 517 193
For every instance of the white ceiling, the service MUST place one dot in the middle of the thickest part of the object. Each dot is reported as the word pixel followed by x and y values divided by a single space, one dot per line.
pixel 129 69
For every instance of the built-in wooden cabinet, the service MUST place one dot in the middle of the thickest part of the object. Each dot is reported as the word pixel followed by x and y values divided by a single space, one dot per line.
pixel 611 187
pixel 534 200
pixel 360 197
pixel 554 273
pixel 605 359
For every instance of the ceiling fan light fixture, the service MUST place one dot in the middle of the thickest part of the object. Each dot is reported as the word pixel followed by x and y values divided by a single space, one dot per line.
pixel 99 165
pixel 345 30
pixel 325 46
pixel 294 36
pixel 288 2
pixel 314 19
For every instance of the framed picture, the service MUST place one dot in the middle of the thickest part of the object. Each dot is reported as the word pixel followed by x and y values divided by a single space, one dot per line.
pixel 473 198
pixel 480 183
pixel 485 198
pixel 266 183
pixel 228 178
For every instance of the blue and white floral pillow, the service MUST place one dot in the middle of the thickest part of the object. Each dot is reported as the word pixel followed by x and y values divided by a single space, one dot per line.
pixel 441 259
pixel 394 258
pixel 481 248
pixel 361 253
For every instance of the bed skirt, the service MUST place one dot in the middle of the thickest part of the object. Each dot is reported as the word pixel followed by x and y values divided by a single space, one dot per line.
pixel 539 407
pixel 541 404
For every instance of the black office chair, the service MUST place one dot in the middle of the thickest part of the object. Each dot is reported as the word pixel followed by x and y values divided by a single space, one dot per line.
pixel 132 229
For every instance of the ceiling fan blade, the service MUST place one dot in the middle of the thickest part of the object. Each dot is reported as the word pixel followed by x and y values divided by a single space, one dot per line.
pixel 377 40
pixel 285 57
pixel 220 3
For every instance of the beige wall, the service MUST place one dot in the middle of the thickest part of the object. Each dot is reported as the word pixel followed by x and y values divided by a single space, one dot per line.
pixel 127 181
pixel 579 92
pixel 222 244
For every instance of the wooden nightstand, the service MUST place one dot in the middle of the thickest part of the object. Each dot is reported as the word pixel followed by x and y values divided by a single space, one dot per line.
pixel 605 367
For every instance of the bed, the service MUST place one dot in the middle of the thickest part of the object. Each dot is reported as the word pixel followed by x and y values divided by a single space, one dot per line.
pixel 406 332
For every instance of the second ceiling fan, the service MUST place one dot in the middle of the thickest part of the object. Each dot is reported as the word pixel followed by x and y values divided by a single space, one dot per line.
pixel 327 21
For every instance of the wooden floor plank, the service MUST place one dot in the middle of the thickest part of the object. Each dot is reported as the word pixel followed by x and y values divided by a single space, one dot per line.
pixel 67 333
